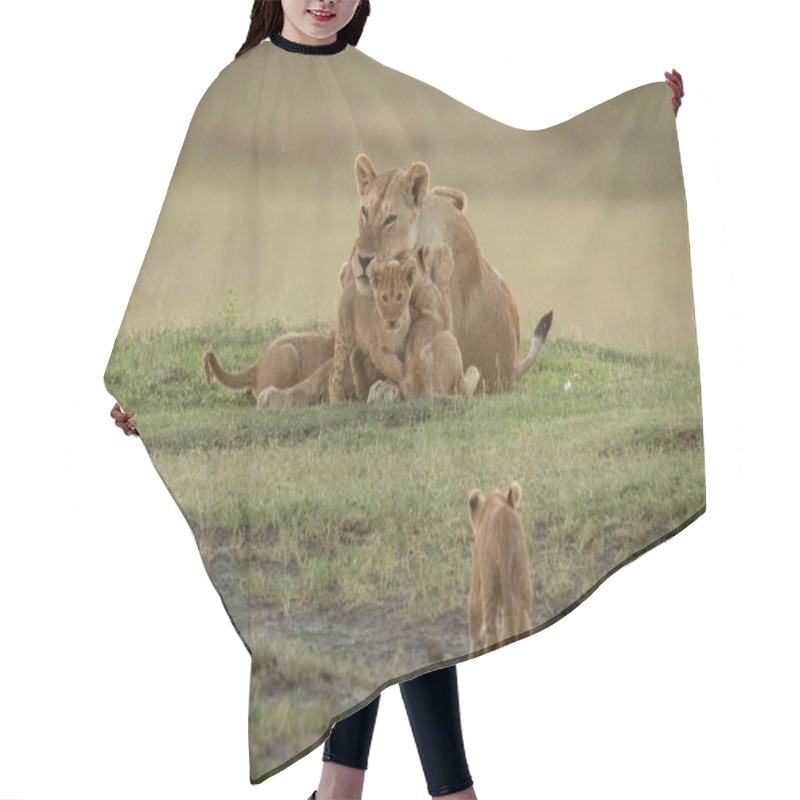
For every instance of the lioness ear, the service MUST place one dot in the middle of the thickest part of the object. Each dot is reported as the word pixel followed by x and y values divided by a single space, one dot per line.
pixel 415 182
pixel 365 174
pixel 514 495
pixel 410 268
pixel 475 500
pixel 455 196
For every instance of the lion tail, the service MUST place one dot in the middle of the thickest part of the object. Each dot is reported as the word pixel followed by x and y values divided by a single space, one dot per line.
pixel 239 380
pixel 537 343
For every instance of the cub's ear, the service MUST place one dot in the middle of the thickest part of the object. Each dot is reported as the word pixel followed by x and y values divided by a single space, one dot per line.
pixel 476 499
pixel 424 260
pixel 444 252
pixel 514 495
pixel 443 264
pixel 374 272
pixel 410 271
pixel 415 183
pixel 365 174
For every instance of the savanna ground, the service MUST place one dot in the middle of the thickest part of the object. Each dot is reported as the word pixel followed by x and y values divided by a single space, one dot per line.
pixel 339 536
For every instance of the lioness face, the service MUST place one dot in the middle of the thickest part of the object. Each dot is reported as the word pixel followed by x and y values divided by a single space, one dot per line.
pixel 390 206
pixel 391 286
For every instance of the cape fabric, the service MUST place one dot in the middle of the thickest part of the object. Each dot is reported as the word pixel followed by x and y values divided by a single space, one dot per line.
pixel 340 536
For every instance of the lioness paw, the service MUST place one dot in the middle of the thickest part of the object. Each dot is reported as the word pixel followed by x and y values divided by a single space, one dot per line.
pixel 471 380
pixel 271 397
pixel 384 392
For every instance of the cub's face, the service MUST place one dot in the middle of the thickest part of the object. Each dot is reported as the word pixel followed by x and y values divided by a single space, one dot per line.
pixel 391 285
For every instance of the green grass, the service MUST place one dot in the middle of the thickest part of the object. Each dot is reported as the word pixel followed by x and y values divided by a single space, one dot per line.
pixel 319 522
pixel 296 692
pixel 357 500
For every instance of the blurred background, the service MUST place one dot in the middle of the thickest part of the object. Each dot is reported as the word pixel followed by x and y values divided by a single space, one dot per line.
pixel 587 217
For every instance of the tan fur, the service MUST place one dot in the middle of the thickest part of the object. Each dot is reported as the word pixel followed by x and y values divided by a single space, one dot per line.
pixel 455 196
pixel 374 324
pixel 311 385
pixel 314 388
pixel 286 361
pixel 399 213
pixel 501 575
pixel 433 365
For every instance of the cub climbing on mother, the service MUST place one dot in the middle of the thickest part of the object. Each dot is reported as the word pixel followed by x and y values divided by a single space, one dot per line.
pixel 399 214
pixel 403 327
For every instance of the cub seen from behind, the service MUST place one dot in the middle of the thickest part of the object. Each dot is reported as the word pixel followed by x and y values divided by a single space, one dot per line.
pixel 499 605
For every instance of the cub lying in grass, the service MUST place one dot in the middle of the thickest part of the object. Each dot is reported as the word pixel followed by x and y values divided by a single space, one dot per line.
pixel 290 360
pixel 287 360
pixel 501 574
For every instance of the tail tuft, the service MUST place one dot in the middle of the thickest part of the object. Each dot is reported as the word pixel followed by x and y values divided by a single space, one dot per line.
pixel 543 328
pixel 537 343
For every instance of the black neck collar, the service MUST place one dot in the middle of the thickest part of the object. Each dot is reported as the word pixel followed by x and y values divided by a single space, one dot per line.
pixel 308 49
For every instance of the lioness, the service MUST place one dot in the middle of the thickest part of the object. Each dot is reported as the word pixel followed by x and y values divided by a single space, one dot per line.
pixel 501 574
pixel 399 214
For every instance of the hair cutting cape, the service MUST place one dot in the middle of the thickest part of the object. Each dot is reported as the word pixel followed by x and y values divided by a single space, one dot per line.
pixel 340 536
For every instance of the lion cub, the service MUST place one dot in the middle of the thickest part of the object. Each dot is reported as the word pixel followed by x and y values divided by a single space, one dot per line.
pixel 433 363
pixel 286 361
pixel 501 574
pixel 373 325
